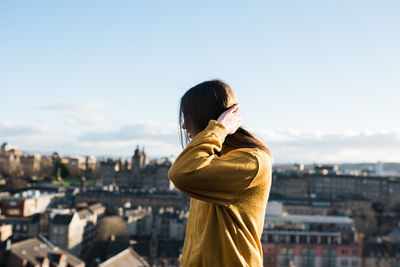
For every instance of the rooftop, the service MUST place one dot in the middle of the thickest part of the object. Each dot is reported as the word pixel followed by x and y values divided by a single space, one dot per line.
pixel 28 194
pixel 126 258
pixel 34 251
pixel 275 213
pixel 310 219
pixel 63 219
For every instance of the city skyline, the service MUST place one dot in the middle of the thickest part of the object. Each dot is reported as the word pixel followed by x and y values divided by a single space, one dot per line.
pixel 316 81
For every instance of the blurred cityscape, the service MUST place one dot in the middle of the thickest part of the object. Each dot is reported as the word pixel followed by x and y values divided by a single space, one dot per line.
pixel 82 211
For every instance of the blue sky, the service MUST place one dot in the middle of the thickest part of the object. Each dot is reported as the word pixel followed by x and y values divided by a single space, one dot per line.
pixel 317 80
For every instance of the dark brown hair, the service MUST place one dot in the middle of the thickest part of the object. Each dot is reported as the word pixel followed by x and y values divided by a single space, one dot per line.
pixel 207 101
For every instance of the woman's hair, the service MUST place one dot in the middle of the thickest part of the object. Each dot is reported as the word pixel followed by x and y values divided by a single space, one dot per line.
pixel 207 101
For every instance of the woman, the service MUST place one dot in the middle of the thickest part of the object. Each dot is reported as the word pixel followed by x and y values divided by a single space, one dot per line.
pixel 227 173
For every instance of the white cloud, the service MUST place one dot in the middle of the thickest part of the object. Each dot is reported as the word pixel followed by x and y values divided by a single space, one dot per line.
pixel 81 106
pixel 12 129
pixel 141 130
pixel 89 120
pixel 125 148
pixel 103 136
pixel 347 147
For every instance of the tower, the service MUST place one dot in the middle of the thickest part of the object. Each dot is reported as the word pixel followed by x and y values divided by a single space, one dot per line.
pixel 4 149
pixel 138 160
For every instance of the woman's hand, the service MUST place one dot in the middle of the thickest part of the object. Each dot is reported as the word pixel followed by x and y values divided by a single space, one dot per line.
pixel 231 119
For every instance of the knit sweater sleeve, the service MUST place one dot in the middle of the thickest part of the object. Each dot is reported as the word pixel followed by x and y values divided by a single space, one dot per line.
pixel 200 173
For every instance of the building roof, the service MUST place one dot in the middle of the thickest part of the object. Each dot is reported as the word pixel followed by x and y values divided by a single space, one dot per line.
pixel 64 219
pixel 275 213
pixel 97 207
pixel 82 205
pixel 132 193
pixel 29 194
pixel 294 174
pixel 84 213
pixel 310 219
pixel 34 251
pixel 126 258
pixel 49 187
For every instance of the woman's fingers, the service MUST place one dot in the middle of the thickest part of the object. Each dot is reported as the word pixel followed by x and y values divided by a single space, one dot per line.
pixel 234 108
pixel 231 119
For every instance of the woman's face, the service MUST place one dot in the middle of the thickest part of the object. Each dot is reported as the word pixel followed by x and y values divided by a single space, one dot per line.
pixel 189 129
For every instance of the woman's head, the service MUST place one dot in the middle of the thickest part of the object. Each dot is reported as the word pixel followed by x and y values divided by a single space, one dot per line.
pixel 204 102
pixel 207 101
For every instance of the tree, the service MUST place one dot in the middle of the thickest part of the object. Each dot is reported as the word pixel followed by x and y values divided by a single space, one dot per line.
pixel 61 169
pixel 16 184
pixel 111 237
pixel 111 227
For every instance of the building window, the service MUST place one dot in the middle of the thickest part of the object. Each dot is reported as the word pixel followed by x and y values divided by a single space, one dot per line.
pixel 55 230
pixel 269 260
pixel 355 252
pixel 354 263
pixel 25 228
pixel 344 251
pixel 13 212
pixel 286 256
pixel 329 257
pixel 17 227
pixel 308 257
pixel 344 262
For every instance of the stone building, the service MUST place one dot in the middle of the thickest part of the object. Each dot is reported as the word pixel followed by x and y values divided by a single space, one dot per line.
pixel 5 232
pixel 30 164
pixel 9 160
pixel 14 163
pixel 27 203
pixel 46 166
pixel 22 227
pixel 139 221
pixel 381 254
pixel 75 231
pixel 66 232
pixel 384 190
pixel 171 224
pixel 139 173
pixel 352 203
pixel 345 204
pixel 113 200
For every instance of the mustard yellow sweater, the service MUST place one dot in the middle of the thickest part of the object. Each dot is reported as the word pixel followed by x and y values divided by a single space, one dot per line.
pixel 229 194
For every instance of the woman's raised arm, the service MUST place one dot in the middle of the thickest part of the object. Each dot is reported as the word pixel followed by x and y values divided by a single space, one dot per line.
pixel 200 173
